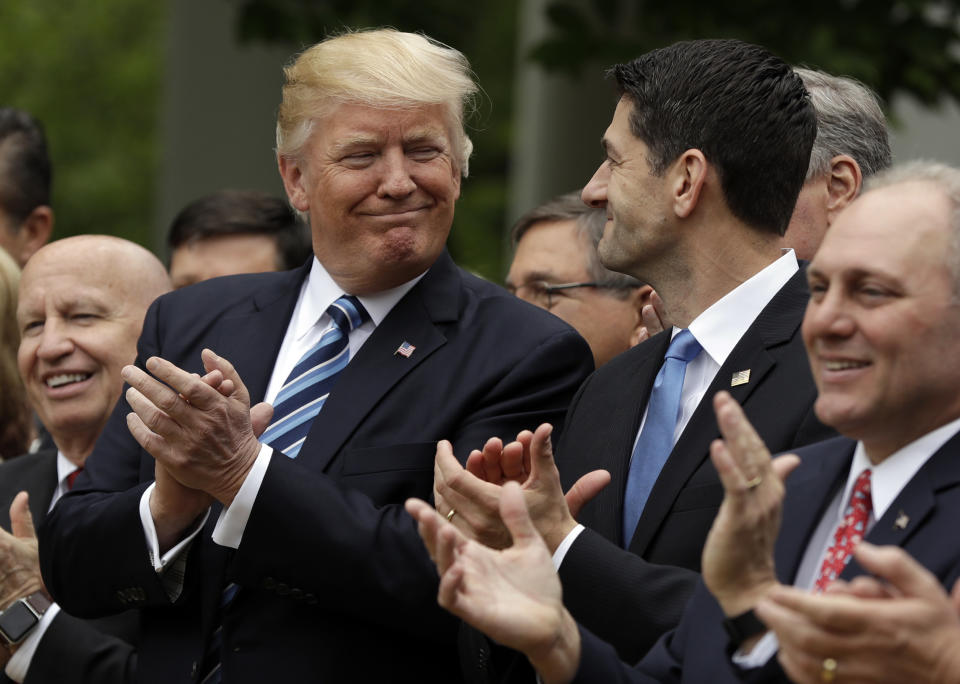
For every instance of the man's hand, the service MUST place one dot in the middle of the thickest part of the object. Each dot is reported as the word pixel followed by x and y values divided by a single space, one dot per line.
pixel 19 559
pixel 206 441
pixel 512 595
pixel 477 502
pixel 738 554
pixel 654 318
pixel 906 631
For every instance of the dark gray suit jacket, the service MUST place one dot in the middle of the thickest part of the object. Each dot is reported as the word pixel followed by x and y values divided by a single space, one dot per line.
pixel 72 651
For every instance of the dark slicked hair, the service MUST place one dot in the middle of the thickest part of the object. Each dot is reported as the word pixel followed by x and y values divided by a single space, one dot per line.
pixel 740 105
pixel 25 174
pixel 244 212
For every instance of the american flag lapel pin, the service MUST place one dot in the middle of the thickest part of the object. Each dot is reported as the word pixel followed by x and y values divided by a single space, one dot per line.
pixel 405 350
pixel 740 378
pixel 902 521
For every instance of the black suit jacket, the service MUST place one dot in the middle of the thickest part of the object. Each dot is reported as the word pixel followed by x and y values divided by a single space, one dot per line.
pixel 71 650
pixel 699 649
pixel 631 597
pixel 336 584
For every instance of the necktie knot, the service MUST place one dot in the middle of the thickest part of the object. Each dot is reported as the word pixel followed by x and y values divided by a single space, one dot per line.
pixel 684 346
pixel 347 313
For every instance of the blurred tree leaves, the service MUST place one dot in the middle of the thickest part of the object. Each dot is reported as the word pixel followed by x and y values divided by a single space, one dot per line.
pixel 895 46
pixel 90 72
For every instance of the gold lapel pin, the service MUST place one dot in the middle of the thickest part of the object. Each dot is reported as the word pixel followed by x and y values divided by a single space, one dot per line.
pixel 902 521
pixel 740 378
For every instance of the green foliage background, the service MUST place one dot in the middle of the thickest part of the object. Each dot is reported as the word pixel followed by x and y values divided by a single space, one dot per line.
pixel 90 71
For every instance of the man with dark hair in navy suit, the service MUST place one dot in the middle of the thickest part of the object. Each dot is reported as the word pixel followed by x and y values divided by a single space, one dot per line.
pixel 269 543
pixel 880 331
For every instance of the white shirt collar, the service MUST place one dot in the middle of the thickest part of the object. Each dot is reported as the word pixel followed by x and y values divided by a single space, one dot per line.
pixel 320 291
pixel 890 476
pixel 720 327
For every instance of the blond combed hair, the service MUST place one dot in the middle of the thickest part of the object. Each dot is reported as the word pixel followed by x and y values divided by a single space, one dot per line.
pixel 382 68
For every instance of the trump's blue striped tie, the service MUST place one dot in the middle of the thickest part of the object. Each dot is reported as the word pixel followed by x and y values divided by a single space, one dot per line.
pixel 309 383
pixel 296 405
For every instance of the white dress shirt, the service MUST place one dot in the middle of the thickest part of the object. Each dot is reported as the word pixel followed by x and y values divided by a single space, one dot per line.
pixel 718 330
pixel 19 663
pixel 307 324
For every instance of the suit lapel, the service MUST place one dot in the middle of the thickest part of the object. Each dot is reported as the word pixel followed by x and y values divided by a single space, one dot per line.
pixel 621 425
pixel 377 367
pixel 775 325
pixel 267 324
pixel 809 491
pixel 915 503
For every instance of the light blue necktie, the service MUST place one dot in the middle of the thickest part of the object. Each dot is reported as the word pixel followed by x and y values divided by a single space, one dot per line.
pixel 309 383
pixel 656 439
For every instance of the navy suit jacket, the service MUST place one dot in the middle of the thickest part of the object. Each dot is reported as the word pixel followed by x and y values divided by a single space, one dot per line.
pixel 72 651
pixel 699 649
pixel 336 584
pixel 632 596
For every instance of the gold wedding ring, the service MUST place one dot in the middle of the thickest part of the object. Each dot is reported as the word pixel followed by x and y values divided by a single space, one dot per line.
pixel 828 670
pixel 753 483
pixel 453 512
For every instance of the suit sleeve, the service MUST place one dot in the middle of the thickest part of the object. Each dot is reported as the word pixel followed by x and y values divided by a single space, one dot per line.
pixel 74 652
pixel 625 600
pixel 93 554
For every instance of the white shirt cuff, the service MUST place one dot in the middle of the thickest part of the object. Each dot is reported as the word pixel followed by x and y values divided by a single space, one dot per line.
pixel 233 519
pixel 760 654
pixel 150 533
pixel 565 546
pixel 19 663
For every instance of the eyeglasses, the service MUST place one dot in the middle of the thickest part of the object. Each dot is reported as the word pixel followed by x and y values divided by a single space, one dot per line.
pixel 540 292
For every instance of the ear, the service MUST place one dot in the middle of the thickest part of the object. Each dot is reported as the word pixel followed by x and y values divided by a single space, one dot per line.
pixel 292 173
pixel 639 298
pixel 687 176
pixel 843 184
pixel 34 232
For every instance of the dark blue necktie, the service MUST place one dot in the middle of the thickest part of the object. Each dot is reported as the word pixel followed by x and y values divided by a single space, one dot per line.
pixel 656 439
pixel 309 383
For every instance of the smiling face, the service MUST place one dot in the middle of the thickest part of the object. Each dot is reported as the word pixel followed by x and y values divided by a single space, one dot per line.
pixel 380 186
pixel 638 233
pixel 882 325
pixel 79 316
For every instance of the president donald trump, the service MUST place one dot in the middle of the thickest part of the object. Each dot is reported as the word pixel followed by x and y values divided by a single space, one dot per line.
pixel 268 543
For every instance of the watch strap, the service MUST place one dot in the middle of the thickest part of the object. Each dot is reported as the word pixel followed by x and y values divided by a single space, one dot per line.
pixel 38 603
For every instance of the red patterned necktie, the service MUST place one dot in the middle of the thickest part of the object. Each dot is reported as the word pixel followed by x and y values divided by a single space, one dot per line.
pixel 72 477
pixel 849 532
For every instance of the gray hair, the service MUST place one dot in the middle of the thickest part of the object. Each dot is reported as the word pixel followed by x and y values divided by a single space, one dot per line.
pixel 849 121
pixel 590 223
pixel 944 177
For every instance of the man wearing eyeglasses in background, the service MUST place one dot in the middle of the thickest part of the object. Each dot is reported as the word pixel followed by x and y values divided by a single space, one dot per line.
pixel 556 267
